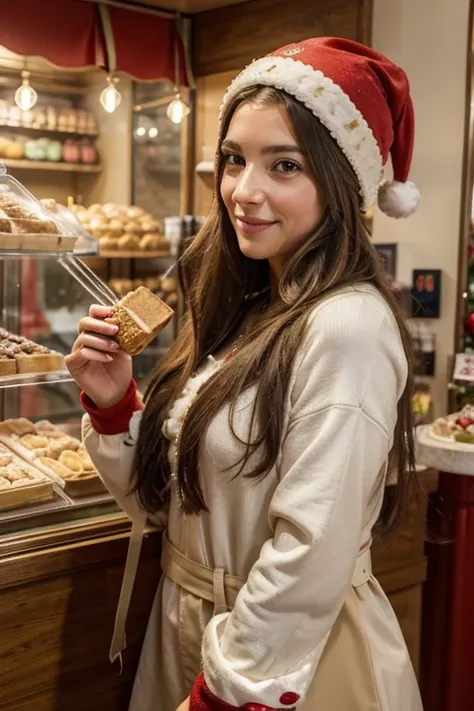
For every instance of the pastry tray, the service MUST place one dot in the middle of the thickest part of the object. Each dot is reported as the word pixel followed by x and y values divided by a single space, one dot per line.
pixel 19 244
pixel 75 488
pixel 39 491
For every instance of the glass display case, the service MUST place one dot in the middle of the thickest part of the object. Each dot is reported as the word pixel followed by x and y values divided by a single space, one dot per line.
pixel 46 287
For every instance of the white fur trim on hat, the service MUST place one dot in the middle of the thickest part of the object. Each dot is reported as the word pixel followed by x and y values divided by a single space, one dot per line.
pixel 330 104
pixel 398 199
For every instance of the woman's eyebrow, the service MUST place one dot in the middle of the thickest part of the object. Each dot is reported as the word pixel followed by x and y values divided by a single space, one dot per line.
pixel 266 150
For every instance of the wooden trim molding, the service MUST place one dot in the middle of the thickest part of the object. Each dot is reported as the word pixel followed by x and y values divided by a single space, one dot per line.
pixel 228 38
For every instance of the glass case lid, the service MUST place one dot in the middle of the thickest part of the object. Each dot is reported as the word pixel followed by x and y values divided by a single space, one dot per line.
pixel 26 226
pixel 86 244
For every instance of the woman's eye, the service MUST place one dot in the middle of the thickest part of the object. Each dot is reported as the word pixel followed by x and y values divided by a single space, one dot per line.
pixel 233 159
pixel 287 166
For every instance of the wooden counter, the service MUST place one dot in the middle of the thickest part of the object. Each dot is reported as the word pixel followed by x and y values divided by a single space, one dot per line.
pixel 57 607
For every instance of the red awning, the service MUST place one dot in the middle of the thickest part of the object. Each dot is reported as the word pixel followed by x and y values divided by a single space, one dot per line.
pixel 69 34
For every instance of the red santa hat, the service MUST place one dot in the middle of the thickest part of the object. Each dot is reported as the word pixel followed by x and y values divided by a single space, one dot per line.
pixel 364 101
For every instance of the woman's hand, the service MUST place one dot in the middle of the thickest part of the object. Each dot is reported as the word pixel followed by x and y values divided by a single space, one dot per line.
pixel 184 706
pixel 97 363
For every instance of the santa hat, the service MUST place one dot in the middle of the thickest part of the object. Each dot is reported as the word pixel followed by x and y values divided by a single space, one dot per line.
pixel 364 101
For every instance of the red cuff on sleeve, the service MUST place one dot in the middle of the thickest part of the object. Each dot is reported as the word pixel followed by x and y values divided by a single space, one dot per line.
pixel 115 419
pixel 201 699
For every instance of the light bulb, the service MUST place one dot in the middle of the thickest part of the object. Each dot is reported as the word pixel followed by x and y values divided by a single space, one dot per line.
pixel 141 130
pixel 111 97
pixel 177 110
pixel 25 96
pixel 153 132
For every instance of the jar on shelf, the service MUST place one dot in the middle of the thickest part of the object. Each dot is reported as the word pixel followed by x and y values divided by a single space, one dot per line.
pixel 15 149
pixel 173 233
pixel 63 120
pixel 14 116
pixel 91 126
pixel 72 121
pixel 51 118
pixel 54 151
pixel 39 120
pixel 71 151
pixel 81 121
pixel 88 152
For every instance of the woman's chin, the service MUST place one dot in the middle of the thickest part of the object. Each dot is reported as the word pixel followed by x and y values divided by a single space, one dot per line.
pixel 252 250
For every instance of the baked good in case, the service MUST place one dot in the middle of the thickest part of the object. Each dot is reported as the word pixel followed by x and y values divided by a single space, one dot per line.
pixel 54 453
pixel 141 316
pixel 20 355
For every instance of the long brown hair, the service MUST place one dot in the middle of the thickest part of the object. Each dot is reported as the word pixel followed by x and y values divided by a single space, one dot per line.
pixel 220 284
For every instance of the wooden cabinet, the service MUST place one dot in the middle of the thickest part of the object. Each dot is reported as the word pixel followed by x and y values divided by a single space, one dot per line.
pixel 57 608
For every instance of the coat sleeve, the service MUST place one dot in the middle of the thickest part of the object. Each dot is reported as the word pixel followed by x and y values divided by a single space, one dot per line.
pixel 343 412
pixel 110 438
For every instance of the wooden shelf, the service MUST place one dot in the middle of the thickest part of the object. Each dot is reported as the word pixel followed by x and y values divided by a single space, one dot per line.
pixel 46 165
pixel 117 254
pixel 46 131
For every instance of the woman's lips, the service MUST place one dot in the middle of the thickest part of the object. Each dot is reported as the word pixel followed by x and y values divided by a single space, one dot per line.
pixel 252 227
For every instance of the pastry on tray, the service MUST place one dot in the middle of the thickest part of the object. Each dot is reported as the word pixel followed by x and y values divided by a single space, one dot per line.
pixel 20 483
pixel 18 217
pixel 20 355
pixel 27 225
pixel 111 221
pixel 458 427
pixel 58 455
pixel 141 316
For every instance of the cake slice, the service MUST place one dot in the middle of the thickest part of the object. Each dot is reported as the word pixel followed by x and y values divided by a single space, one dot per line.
pixel 141 316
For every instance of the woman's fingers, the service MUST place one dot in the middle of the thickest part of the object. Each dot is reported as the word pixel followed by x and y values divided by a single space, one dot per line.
pixel 101 312
pixel 78 359
pixel 94 325
pixel 92 340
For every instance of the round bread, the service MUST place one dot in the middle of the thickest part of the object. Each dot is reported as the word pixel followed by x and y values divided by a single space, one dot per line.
pixel 108 243
pixel 150 242
pixel 152 226
pixel 129 242
pixel 135 212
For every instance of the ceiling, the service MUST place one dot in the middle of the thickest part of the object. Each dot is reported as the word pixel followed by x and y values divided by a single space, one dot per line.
pixel 186 6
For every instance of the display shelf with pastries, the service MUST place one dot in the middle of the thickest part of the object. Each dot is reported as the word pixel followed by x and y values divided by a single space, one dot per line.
pixel 123 231
pixel 46 476
pixel 27 226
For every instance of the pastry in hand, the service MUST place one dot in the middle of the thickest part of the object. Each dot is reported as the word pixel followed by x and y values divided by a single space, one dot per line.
pixel 141 316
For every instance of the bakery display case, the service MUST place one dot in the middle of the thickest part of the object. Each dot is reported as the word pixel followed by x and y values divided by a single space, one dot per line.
pixel 46 477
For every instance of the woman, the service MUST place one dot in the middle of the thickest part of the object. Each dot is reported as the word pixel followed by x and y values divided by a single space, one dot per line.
pixel 267 432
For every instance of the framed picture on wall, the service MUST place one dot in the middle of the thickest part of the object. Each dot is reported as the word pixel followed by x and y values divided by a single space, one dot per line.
pixel 388 256
pixel 426 293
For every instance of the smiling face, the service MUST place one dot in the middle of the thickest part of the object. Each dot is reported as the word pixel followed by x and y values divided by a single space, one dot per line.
pixel 272 199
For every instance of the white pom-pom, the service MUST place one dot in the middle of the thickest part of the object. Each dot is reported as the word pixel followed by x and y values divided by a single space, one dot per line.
pixel 397 199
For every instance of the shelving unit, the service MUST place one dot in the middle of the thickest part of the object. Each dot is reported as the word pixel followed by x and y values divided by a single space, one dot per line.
pixel 56 132
pixel 45 165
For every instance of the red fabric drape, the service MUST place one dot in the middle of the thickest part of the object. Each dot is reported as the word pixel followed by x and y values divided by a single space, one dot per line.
pixel 68 33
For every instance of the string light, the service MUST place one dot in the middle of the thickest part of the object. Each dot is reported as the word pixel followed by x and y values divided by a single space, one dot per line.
pixel 25 96
pixel 111 97
pixel 153 132
pixel 177 110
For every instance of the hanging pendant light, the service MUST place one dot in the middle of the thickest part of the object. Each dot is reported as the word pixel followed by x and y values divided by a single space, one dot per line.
pixel 25 96
pixel 177 110
pixel 111 97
